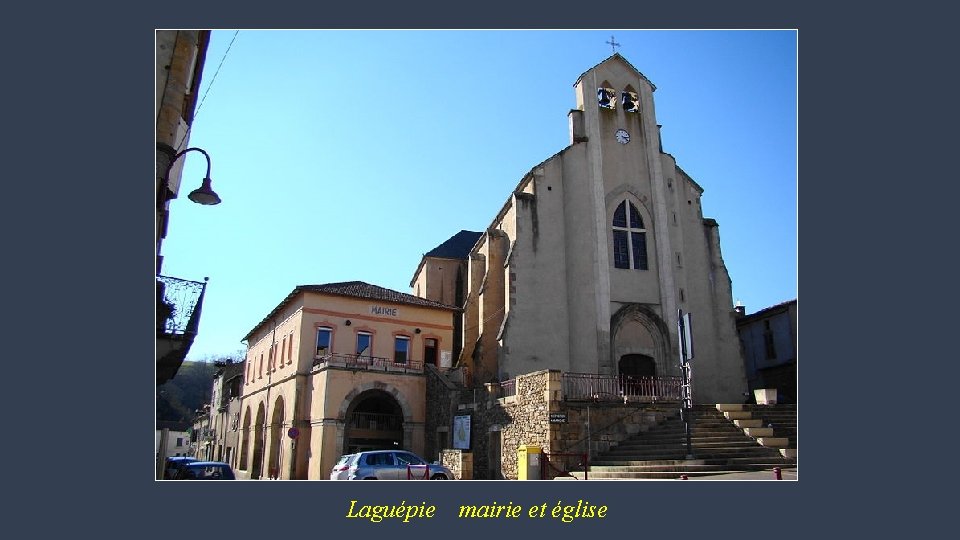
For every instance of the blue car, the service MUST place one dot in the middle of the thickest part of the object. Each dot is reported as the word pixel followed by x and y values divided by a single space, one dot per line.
pixel 205 470
pixel 173 465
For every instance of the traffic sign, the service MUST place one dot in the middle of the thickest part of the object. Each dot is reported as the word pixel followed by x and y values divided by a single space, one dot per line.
pixel 293 433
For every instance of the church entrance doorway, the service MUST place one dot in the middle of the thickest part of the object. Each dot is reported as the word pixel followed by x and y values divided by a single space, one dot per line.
pixel 374 421
pixel 637 365
pixel 636 371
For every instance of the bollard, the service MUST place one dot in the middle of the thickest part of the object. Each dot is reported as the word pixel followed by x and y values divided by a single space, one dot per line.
pixel 683 477
pixel 776 473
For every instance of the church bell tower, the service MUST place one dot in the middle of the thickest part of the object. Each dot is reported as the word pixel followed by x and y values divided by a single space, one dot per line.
pixel 615 118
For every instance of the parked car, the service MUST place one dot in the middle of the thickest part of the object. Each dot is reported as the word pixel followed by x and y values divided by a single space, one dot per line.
pixel 173 465
pixel 205 470
pixel 388 465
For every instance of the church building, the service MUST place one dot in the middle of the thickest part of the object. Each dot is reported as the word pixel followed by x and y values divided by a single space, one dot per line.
pixel 593 255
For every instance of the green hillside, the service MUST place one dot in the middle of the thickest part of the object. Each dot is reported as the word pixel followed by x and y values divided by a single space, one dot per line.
pixel 180 397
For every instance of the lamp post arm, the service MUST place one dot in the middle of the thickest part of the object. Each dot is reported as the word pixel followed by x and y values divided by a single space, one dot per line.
pixel 166 175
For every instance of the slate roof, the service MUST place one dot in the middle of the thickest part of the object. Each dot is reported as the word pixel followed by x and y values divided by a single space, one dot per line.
pixel 457 246
pixel 354 289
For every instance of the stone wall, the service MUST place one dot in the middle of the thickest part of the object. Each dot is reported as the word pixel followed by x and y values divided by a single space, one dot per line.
pixel 459 462
pixel 524 419
pixel 605 424
pixel 443 396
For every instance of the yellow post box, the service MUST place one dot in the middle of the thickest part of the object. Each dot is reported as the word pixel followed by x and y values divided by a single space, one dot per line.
pixel 528 462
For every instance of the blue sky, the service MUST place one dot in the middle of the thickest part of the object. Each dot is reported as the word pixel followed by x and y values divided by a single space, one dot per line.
pixel 346 155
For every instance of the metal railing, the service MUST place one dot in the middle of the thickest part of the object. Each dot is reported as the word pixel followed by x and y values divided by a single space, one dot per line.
pixel 556 464
pixel 412 473
pixel 177 300
pixel 592 387
pixel 505 388
pixel 372 363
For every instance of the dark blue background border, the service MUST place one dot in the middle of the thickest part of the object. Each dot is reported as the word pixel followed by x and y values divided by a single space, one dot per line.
pixel 102 363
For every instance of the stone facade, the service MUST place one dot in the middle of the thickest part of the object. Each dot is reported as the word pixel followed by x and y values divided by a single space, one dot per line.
pixel 459 462
pixel 607 423
pixel 443 395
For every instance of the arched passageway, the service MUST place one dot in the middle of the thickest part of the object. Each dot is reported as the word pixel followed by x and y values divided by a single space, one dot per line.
pixel 258 432
pixel 374 421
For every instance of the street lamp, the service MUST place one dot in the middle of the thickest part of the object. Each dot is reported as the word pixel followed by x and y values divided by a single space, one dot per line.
pixel 202 195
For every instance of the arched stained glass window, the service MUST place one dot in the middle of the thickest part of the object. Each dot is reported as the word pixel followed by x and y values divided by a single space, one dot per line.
pixel 629 239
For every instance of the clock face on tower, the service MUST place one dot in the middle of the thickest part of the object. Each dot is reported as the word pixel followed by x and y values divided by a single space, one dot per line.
pixel 622 136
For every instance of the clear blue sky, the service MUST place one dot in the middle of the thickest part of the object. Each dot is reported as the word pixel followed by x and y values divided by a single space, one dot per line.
pixel 346 155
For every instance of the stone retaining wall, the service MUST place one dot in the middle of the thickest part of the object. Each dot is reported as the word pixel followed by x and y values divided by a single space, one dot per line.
pixel 523 419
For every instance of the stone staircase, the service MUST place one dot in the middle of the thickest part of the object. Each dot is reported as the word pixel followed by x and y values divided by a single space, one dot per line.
pixel 718 445
pixel 773 426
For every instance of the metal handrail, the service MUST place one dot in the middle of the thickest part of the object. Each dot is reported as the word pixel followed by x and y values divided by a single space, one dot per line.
pixel 593 387
pixel 584 462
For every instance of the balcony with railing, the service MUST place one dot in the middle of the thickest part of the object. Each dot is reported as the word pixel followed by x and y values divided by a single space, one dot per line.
pixel 503 389
pixel 592 387
pixel 178 318
pixel 369 363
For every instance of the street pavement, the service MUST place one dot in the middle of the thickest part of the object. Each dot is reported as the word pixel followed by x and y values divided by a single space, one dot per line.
pixel 785 474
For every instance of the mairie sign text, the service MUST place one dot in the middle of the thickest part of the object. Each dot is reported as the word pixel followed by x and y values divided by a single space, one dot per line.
pixel 386 311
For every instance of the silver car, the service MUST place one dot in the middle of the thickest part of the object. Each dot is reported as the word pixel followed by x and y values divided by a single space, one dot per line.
pixel 387 465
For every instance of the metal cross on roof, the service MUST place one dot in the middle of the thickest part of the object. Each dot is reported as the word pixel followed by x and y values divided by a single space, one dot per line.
pixel 612 43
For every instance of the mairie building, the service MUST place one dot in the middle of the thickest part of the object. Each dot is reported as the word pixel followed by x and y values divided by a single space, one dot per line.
pixel 334 369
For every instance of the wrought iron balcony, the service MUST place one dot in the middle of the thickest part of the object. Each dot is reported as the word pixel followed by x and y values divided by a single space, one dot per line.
pixel 178 300
pixel 372 363
pixel 178 318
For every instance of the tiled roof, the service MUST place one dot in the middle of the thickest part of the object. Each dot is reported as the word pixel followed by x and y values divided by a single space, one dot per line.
pixel 457 247
pixel 359 289
pixel 355 289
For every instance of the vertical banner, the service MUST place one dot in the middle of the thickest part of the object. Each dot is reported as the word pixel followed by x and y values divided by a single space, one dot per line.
pixel 688 335
pixel 461 432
